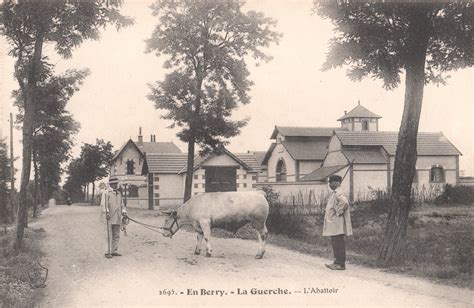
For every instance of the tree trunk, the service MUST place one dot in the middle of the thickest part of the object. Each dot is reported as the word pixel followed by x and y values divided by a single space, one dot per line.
pixel 393 250
pixel 35 192
pixel 27 133
pixel 189 172
pixel 93 193
pixel 41 191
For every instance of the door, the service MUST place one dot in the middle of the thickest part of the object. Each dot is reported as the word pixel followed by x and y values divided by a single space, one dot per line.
pixel 221 179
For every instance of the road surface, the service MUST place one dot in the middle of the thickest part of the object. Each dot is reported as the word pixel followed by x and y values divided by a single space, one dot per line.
pixel 157 271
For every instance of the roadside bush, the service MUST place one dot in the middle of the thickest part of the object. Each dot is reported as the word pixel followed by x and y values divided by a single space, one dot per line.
pixel 271 195
pixel 456 194
pixel 293 226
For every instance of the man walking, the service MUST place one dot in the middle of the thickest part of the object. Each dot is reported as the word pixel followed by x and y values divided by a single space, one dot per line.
pixel 114 208
pixel 337 222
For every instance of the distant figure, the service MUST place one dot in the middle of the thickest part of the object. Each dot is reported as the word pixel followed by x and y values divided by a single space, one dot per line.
pixel 337 222
pixel 114 208
pixel 52 202
pixel 68 201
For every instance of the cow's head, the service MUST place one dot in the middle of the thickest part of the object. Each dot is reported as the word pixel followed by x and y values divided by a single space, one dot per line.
pixel 171 225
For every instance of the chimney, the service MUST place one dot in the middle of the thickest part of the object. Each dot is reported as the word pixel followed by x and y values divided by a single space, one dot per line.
pixel 345 112
pixel 154 138
pixel 140 137
pixel 151 138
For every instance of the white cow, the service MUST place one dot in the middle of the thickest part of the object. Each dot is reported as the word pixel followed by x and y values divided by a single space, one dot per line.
pixel 224 210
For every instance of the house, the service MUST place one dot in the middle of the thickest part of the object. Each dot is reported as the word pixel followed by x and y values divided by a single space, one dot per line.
pixel 302 158
pixel 127 164
pixel 218 171
pixel 371 156
pixel 296 152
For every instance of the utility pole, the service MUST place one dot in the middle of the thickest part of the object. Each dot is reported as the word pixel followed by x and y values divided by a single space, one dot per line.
pixel 12 170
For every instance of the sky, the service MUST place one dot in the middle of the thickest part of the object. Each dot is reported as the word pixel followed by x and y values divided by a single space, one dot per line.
pixel 290 90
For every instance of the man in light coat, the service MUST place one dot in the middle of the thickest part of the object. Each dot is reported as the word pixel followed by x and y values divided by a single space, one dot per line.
pixel 337 222
pixel 114 208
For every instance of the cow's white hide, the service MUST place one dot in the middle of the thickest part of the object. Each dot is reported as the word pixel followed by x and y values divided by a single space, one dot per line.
pixel 225 210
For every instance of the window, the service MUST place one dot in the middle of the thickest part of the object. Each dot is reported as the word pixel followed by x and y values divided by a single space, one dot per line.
pixel 437 174
pixel 244 176
pixel 157 202
pixel 130 167
pixel 245 185
pixel 157 178
pixel 203 177
pixel 196 176
pixel 156 186
pixel 254 178
pixel 196 185
pixel 281 171
pixel 254 185
pixel 365 125
pixel 133 191
pixel 237 177
pixel 157 195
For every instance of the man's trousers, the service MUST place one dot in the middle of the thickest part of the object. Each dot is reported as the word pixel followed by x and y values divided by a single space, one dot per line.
pixel 114 237
pixel 339 249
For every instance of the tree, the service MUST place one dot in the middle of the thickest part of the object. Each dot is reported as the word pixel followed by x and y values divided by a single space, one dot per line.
pixel 54 127
pixel 76 179
pixel 382 39
pixel 207 43
pixel 28 26
pixel 95 160
pixel 4 182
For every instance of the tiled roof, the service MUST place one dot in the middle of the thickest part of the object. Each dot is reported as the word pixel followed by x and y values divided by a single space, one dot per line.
pixel 365 156
pixel 250 159
pixel 359 112
pixel 322 173
pixel 158 147
pixel 166 162
pixel 150 147
pixel 242 159
pixel 306 150
pixel 261 155
pixel 298 131
pixel 427 143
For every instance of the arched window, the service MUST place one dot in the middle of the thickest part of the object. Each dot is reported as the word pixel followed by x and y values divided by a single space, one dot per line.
pixel 437 174
pixel 130 167
pixel 281 171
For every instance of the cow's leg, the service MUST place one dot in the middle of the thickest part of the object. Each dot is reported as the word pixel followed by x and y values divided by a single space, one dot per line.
pixel 200 236
pixel 262 236
pixel 206 229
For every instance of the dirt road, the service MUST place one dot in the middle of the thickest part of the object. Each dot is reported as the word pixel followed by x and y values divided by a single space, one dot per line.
pixel 158 271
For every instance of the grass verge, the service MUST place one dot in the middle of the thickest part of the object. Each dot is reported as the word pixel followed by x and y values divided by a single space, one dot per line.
pixel 19 271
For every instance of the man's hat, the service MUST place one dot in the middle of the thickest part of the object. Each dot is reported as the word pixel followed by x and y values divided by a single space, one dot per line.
pixel 335 178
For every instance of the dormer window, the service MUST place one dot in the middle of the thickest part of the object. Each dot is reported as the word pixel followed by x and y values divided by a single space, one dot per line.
pixel 130 166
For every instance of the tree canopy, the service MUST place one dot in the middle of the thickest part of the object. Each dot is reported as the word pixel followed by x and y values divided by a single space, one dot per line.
pixel 372 37
pixel 206 44
pixel 27 27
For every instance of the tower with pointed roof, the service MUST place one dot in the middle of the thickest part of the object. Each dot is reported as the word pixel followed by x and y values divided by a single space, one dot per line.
pixel 360 119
